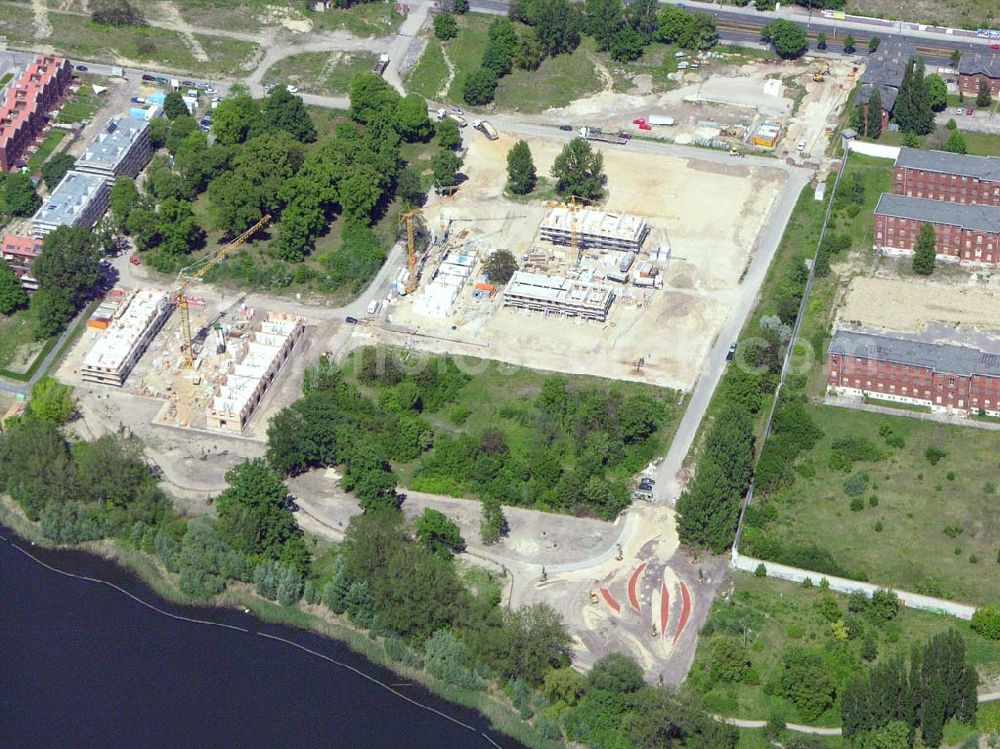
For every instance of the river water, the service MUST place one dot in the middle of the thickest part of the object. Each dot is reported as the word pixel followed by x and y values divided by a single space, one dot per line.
pixel 84 665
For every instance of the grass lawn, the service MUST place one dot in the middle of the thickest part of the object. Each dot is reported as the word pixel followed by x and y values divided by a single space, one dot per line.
pixel 657 61
pixel 466 50
pixel 430 74
pixel 366 19
pixel 963 14
pixel 45 150
pixel 17 344
pixel 558 81
pixel 777 614
pixel 6 78
pixel 976 143
pixel 321 72
pixel 325 120
pixel 939 533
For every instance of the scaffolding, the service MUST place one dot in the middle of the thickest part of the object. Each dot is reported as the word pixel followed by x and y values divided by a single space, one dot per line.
pixel 559 296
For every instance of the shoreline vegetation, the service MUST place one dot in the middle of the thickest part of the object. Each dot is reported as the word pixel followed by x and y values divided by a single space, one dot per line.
pixel 302 615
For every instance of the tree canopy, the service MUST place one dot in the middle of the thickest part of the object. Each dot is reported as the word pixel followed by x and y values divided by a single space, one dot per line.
pixel 521 174
pixel 579 170
pixel 787 38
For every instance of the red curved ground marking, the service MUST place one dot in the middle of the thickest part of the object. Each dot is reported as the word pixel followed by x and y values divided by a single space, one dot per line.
pixel 611 601
pixel 664 607
pixel 685 611
pixel 632 597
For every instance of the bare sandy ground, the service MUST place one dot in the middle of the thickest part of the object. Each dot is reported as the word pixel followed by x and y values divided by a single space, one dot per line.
pixel 907 305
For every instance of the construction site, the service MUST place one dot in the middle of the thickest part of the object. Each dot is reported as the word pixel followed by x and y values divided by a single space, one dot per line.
pixel 633 288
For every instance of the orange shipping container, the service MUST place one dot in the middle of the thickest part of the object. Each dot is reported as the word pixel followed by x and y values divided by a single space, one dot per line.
pixel 97 322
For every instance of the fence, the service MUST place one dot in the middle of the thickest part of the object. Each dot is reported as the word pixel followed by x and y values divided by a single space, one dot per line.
pixel 843 585
pixel 873 149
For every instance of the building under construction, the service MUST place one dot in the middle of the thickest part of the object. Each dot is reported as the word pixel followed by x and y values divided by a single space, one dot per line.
pixel 137 320
pixel 255 359
pixel 558 296
pixel 594 229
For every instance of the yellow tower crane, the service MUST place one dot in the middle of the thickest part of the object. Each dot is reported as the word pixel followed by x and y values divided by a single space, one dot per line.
pixel 573 204
pixel 411 250
pixel 191 274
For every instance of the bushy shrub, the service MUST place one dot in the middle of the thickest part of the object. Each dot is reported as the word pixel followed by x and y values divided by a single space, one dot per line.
pixel 986 622
pixel 855 484
pixel 934 455
pixel 445 658
pixel 71 523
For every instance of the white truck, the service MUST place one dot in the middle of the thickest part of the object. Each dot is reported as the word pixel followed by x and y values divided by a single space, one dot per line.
pixel 605 136
pixel 660 119
pixel 454 116
pixel 486 129
pixel 382 64
pixel 373 307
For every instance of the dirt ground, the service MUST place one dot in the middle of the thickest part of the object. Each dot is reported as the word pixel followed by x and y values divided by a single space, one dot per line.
pixel 671 328
pixel 907 305
pixel 731 96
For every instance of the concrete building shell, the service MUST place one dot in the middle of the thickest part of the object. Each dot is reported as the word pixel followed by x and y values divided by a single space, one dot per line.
pixel 594 229
pixel 119 347
pixel 256 360
pixel 558 296
pixel 944 377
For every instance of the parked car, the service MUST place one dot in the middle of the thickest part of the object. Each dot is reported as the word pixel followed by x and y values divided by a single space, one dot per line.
pixel 959 110
pixel 138 100
pixel 189 84
pixel 292 89
pixel 970 110
pixel 351 320
pixel 162 79
pixel 210 90
pixel 82 68
pixel 567 128
pixel 148 77
pixel 732 351
pixel 456 110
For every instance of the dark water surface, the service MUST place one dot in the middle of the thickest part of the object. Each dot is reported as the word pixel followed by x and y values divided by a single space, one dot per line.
pixel 84 665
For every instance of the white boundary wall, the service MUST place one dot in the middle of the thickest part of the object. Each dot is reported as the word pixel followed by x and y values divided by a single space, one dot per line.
pixel 843 585
pixel 874 149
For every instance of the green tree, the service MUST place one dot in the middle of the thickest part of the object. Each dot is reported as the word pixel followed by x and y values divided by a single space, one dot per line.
pixel 912 110
pixel 174 106
pixel 284 110
pixel 521 174
pixel 806 682
pixel 531 641
pixel 143 227
pixel 410 187
pixel 112 470
pixel 449 135
pixel 873 44
pixel 236 119
pixel 183 126
pixel 51 400
pixel 372 96
pixel 984 94
pixel 480 87
pixel 557 25
pixel 412 120
pixel 253 517
pixel 821 40
pixel 459 7
pixel 445 26
pixel 445 165
pixel 201 560
pixel 849 43
pixel 493 523
pixel 603 19
pixel 563 685
pixel 873 127
pixel 68 270
pixel 439 534
pixel 641 15
pixel 20 197
pixel 36 468
pixel 55 169
pixel 297 231
pixel 116 13
pixel 12 294
pixel 911 140
pixel 986 622
pixel 956 143
pixel 178 229
pixel 627 46
pixel 925 250
pixel 500 266
pixel 730 661
pixel 937 92
pixel 579 170
pixel 617 673
pixel 787 38
pixel 123 200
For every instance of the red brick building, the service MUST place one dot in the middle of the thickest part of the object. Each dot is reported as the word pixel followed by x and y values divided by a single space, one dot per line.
pixel 940 175
pixel 945 377
pixel 19 252
pixel 977 67
pixel 970 233
pixel 26 103
pixel 884 71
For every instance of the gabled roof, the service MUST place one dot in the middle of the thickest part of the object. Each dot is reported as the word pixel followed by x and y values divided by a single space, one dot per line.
pixel 945 162
pixel 987 63
pixel 946 358
pixel 964 215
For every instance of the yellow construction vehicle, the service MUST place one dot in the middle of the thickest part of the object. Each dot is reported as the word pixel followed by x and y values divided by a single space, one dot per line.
pixel 191 274
pixel 411 250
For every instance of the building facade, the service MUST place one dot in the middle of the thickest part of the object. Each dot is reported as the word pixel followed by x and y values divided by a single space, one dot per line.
pixel 950 177
pixel 121 149
pixel 26 103
pixel 976 67
pixel 944 377
pixel 119 347
pixel 79 199
pixel 969 233
pixel 884 72
pixel 19 252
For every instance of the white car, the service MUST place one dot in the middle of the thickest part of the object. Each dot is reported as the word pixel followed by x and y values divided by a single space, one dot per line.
pixel 292 89
pixel 210 90
pixel 801 145
pixel 456 110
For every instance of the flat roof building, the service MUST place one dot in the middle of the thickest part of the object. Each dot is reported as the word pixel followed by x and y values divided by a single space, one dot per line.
pixel 256 359
pixel 558 296
pixel 80 199
pixel 119 347
pixel 121 149
pixel 597 229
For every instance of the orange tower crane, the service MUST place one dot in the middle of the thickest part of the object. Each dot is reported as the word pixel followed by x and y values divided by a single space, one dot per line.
pixel 191 274
pixel 573 204
pixel 411 250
